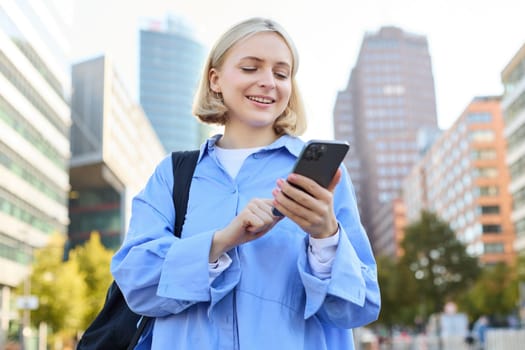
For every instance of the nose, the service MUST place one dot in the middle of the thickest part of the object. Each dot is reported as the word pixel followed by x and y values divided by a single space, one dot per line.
pixel 267 79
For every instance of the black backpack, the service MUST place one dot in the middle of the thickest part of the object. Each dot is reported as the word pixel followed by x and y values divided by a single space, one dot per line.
pixel 115 326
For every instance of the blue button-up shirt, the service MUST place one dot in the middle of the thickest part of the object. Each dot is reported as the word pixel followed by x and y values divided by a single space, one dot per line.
pixel 267 298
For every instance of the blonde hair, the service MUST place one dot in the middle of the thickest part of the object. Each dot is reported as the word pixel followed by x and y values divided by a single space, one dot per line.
pixel 209 106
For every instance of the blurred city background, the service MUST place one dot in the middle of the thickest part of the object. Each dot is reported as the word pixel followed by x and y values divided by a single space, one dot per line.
pixel 93 94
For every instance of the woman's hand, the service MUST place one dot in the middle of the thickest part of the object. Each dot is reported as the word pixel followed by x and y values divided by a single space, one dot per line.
pixel 313 208
pixel 255 220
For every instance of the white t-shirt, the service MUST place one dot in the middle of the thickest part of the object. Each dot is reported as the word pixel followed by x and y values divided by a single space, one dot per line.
pixel 232 159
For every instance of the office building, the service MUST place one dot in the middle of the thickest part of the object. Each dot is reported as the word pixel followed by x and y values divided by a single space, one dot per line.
pixel 114 151
pixel 171 62
pixel 464 179
pixel 388 100
pixel 389 226
pixel 34 138
pixel 513 104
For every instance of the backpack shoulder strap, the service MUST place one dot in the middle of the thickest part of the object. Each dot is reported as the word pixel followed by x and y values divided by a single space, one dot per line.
pixel 184 163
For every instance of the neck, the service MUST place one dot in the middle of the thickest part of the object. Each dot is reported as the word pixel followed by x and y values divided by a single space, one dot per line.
pixel 247 138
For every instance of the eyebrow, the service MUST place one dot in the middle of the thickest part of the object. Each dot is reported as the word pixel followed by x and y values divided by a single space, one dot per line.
pixel 280 63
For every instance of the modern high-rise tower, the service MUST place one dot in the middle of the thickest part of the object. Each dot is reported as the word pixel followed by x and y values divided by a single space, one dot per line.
pixel 114 150
pixel 34 138
pixel 388 104
pixel 171 62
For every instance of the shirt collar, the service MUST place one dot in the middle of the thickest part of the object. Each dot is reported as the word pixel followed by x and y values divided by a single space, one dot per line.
pixel 293 144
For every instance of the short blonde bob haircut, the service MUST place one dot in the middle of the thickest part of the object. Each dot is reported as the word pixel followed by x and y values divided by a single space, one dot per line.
pixel 208 105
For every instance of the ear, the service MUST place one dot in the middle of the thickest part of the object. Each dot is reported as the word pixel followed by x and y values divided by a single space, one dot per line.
pixel 213 77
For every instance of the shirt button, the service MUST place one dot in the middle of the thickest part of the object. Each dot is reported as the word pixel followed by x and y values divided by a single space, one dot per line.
pixel 259 155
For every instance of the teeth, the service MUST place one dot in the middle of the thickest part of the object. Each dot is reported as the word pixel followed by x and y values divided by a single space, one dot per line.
pixel 260 99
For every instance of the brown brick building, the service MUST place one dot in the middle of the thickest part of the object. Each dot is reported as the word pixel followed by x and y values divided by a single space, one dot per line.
pixel 464 179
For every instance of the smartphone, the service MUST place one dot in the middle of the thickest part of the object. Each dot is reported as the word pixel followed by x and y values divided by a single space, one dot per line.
pixel 319 161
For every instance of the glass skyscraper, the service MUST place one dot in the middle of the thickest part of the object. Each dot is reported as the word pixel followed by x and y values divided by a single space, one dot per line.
pixel 114 151
pixel 171 61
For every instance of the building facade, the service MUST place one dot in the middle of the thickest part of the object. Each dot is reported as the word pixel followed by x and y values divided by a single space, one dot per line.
pixel 464 179
pixel 389 225
pixel 389 98
pixel 114 151
pixel 171 62
pixel 513 104
pixel 34 137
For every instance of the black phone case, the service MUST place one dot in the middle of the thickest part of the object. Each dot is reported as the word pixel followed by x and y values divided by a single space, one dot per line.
pixel 319 160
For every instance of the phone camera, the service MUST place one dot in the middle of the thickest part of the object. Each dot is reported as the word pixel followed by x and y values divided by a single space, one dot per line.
pixel 314 152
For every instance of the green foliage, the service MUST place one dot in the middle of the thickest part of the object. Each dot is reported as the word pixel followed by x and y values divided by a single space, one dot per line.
pixel 438 265
pixel 397 296
pixel 520 268
pixel 93 260
pixel 70 292
pixel 436 269
pixel 60 287
pixel 494 293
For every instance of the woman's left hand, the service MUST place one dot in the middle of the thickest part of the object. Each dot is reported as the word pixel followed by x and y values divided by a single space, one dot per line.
pixel 311 209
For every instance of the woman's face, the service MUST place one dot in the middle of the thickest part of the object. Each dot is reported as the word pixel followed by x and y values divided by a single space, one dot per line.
pixel 255 80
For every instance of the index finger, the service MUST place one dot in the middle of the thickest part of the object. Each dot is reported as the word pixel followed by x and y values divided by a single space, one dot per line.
pixel 306 184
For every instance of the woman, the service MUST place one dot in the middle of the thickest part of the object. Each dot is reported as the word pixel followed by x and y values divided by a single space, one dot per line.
pixel 240 277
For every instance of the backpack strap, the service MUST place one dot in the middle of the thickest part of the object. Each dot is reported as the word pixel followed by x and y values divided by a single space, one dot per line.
pixel 183 164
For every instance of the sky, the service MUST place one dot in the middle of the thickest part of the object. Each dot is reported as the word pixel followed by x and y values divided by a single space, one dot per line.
pixel 470 42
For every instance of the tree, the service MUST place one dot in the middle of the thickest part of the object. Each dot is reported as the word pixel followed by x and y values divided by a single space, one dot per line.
pixel 437 262
pixel 60 288
pixel 495 293
pixel 93 260
pixel 397 296
pixel 70 292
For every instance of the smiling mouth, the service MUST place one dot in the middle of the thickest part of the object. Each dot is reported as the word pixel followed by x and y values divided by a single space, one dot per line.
pixel 264 100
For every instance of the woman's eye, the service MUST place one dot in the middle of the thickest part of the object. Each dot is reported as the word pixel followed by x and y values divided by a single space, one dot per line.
pixel 249 69
pixel 281 75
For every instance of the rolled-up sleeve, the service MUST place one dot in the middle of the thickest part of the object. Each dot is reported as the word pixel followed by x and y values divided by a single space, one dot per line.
pixel 158 273
pixel 350 297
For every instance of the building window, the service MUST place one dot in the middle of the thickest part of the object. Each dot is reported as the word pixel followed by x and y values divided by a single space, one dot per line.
pixel 520 227
pixel 480 117
pixel 493 228
pixel 488 191
pixel 514 109
pixel 490 209
pixel 517 169
pixel 494 248
pixel 483 154
pixel 516 138
pixel 482 135
pixel 518 198
pixel 487 172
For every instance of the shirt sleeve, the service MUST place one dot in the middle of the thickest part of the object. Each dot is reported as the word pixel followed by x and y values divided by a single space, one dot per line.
pixel 219 266
pixel 158 273
pixel 321 255
pixel 350 297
